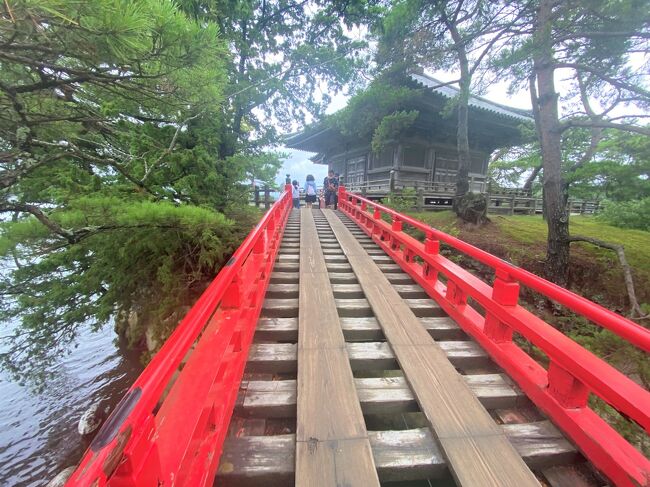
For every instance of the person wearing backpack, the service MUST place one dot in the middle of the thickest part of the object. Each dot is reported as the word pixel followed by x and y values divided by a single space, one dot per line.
pixel 310 191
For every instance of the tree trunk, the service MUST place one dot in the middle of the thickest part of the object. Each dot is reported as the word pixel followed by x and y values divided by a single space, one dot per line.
pixel 528 185
pixel 557 218
pixel 472 208
pixel 462 139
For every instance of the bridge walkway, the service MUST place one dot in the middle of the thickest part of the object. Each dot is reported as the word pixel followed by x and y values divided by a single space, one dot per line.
pixel 357 377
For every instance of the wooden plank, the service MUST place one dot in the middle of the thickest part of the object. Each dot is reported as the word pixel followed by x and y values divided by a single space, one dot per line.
pixel 277 398
pixel 580 474
pixel 287 307
pixel 476 449
pixel 354 329
pixel 399 455
pixel 348 291
pixel 281 357
pixel 332 446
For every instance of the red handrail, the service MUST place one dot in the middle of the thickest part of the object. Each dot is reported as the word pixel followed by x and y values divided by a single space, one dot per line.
pixel 159 434
pixel 633 332
pixel 562 390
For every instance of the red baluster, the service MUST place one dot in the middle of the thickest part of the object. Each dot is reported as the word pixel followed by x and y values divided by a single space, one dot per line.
pixel 397 224
pixel 431 246
pixel 232 296
pixel 505 291
pixel 455 295
pixel 569 391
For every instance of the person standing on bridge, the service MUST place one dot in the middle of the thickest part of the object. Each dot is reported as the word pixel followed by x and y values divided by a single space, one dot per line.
pixel 310 191
pixel 295 194
pixel 331 189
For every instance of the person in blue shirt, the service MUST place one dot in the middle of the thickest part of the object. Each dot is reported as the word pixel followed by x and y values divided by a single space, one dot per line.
pixel 295 194
pixel 310 191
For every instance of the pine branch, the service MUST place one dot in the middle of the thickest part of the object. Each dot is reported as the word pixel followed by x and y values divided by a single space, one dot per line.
pixel 604 77
pixel 604 124
pixel 169 149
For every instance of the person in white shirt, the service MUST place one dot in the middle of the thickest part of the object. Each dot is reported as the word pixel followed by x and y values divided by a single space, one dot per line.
pixel 295 194
pixel 310 191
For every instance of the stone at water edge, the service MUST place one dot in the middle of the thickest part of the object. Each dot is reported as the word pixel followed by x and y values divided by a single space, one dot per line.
pixel 92 419
pixel 61 478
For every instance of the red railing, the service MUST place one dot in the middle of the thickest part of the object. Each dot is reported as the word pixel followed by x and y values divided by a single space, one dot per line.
pixel 170 432
pixel 561 390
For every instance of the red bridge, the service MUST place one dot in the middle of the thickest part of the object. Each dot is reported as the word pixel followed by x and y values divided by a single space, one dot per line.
pixel 334 348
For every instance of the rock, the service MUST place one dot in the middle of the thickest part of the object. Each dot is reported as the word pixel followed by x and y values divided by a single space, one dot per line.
pixel 92 419
pixel 61 478
pixel 150 339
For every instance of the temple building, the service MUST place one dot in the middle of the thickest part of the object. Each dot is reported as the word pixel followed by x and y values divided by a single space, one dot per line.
pixel 425 155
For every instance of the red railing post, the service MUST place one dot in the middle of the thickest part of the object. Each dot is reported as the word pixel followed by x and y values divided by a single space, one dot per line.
pixel 232 296
pixel 397 224
pixel 565 388
pixel 431 247
pixel 505 291
pixel 455 294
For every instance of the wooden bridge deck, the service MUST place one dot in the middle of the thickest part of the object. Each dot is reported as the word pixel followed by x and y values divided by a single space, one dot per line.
pixel 357 378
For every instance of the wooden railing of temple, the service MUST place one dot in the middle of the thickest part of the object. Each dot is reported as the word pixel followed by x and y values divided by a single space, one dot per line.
pixel 492 315
pixel 438 195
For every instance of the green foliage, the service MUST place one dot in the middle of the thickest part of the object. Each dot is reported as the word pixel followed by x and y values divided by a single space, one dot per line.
pixel 511 167
pixel 287 57
pixel 111 170
pixel 619 170
pixel 403 201
pixel 150 256
pixel 627 214
pixel 391 127
pixel 384 97
pixel 129 132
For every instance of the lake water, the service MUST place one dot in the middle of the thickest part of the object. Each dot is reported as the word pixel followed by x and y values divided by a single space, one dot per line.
pixel 38 430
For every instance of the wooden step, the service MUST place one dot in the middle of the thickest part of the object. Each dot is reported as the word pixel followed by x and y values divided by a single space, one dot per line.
pixel 410 454
pixel 281 357
pixel 277 399
pixel 354 329
pixel 349 277
pixel 286 308
pixel 338 257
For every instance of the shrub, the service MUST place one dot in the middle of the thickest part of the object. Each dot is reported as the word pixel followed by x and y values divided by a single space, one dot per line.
pixel 627 214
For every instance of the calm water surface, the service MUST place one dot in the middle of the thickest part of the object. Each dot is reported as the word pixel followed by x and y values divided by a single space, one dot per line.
pixel 38 430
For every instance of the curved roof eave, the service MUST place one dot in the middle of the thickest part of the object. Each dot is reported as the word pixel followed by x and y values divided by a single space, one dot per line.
pixel 449 91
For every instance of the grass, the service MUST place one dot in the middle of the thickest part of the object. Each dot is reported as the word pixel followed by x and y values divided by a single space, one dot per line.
pixel 521 239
